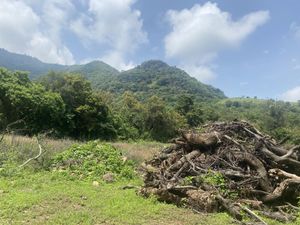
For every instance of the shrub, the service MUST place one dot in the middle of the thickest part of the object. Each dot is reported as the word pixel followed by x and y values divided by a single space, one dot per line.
pixel 93 160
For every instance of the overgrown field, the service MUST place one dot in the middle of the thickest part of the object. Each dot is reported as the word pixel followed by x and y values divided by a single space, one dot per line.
pixel 60 188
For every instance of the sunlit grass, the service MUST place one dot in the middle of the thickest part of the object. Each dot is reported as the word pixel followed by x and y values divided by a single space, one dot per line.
pixel 44 197
pixel 50 198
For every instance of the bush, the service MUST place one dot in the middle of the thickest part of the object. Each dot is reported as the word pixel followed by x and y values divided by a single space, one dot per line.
pixel 93 160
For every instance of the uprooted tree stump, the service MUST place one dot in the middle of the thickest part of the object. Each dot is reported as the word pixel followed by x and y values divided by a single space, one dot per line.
pixel 229 166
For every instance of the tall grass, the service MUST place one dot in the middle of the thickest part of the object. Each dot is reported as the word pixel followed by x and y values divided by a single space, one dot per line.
pixel 139 151
pixel 17 149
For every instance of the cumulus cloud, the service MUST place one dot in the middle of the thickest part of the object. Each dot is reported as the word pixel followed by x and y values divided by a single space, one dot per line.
pixel 200 72
pixel 112 23
pixel 24 31
pixel 291 95
pixel 116 59
pixel 39 28
pixel 200 33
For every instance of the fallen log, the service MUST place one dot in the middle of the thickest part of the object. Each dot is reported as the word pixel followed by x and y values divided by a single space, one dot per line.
pixel 225 164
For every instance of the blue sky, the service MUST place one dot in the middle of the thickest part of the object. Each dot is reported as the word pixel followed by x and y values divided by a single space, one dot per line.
pixel 246 48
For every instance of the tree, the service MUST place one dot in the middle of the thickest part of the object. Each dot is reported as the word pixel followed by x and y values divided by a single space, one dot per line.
pixel 87 116
pixel 162 122
pixel 184 104
pixel 132 114
pixel 24 100
pixel 193 113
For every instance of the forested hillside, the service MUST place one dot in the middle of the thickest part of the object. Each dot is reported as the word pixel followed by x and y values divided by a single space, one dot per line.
pixel 32 65
pixel 153 77
pixel 67 105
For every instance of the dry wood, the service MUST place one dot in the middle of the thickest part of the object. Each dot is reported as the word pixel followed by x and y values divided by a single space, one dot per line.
pixel 251 213
pixel 36 157
pixel 232 161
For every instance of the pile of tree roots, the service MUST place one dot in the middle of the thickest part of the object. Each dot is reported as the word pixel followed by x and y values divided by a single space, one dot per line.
pixel 229 166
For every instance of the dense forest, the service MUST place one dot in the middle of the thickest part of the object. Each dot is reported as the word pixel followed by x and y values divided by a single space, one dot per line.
pixel 65 104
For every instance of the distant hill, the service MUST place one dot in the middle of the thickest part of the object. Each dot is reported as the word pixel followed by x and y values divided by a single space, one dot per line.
pixel 36 67
pixel 99 73
pixel 95 71
pixel 153 77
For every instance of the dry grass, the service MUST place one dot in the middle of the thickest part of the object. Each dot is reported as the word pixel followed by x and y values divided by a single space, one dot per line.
pixel 20 148
pixel 24 147
pixel 139 151
pixel 50 144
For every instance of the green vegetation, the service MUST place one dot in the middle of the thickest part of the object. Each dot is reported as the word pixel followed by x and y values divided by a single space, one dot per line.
pixel 155 77
pixel 86 115
pixel 35 195
pixel 151 102
pixel 98 73
pixel 93 160
pixel 49 198
pixel 278 118
pixel 32 65
pixel 65 105
pixel 27 102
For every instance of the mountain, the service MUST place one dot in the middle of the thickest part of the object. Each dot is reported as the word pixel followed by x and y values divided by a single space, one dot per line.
pixel 36 67
pixel 95 71
pixel 152 77
pixel 98 72
pixel 155 77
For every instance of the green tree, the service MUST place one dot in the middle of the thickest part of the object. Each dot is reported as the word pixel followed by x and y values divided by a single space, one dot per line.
pixel 193 113
pixel 24 100
pixel 87 116
pixel 161 122
pixel 184 104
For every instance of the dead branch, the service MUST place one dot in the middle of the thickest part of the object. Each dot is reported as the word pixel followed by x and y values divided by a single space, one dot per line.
pixel 251 213
pixel 36 157
pixel 205 170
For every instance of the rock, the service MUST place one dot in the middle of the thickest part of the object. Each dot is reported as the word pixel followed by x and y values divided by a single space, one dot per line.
pixel 83 197
pixel 124 159
pixel 95 183
pixel 108 177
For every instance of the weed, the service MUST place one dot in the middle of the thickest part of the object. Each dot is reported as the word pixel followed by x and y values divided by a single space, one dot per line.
pixel 93 160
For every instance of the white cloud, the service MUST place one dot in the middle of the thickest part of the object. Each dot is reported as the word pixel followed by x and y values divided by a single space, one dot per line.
pixel 200 33
pixel 115 59
pixel 112 23
pixel 200 72
pixel 291 95
pixel 24 31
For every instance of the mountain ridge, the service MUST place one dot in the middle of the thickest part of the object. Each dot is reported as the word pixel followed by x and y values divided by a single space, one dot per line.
pixel 152 77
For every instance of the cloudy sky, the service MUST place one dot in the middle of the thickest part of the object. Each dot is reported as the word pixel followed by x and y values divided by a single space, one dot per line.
pixel 246 48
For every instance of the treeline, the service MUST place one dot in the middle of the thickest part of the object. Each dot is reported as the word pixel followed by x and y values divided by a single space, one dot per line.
pixel 65 105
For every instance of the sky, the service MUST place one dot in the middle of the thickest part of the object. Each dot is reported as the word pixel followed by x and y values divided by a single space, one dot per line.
pixel 244 47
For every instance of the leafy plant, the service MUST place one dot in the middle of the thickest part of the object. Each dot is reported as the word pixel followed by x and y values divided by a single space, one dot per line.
pixel 216 179
pixel 93 160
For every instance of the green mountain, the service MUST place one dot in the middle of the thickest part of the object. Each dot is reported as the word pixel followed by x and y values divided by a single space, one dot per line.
pixel 153 77
pixel 99 73
pixel 96 71
pixel 36 67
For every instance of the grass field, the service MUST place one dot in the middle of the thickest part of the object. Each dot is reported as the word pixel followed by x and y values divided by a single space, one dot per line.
pixel 33 195
pixel 46 198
